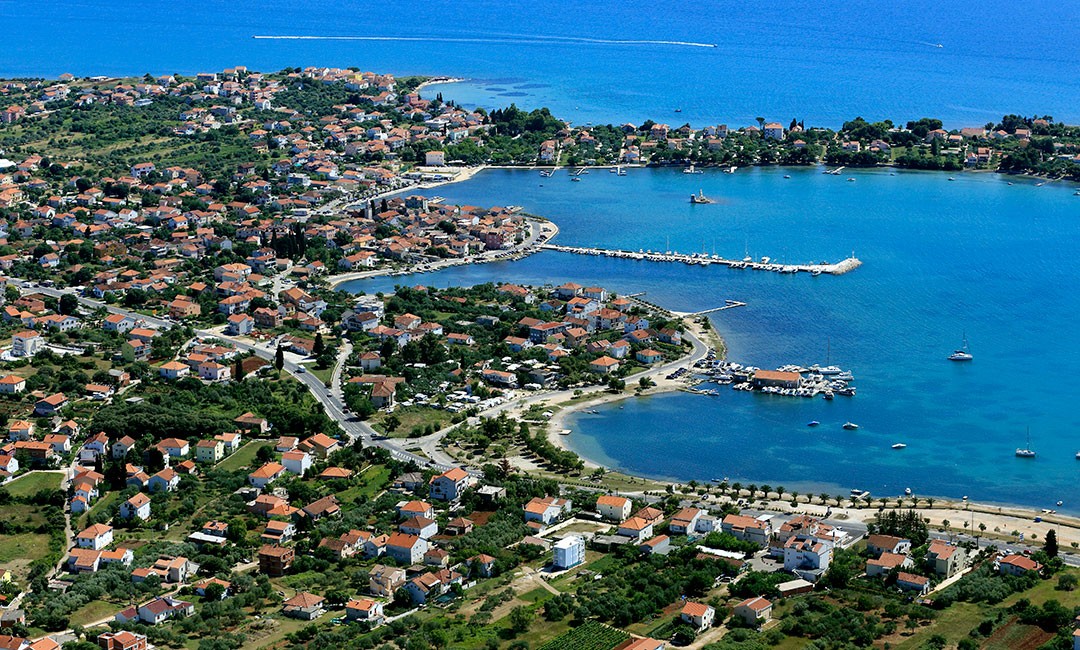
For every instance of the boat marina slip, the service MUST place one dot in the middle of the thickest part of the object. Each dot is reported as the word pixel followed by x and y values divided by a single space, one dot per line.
pixel 1002 251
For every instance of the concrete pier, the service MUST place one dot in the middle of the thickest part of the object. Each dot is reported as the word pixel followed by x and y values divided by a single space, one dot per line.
pixel 701 259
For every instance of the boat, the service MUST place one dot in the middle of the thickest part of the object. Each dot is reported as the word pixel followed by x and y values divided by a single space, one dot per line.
pixel 899 445
pixel 575 179
pixel 962 353
pixel 692 170
pixel 850 426
pixel 620 171
pixel 1026 451
pixel 679 110
pixel 699 198
pixel 787 175
pixel 1078 455
pixel 907 491
pixel 829 396
pixel 730 170
pixel 951 178
pixel 564 432
pixel 814 423
pixel 1060 503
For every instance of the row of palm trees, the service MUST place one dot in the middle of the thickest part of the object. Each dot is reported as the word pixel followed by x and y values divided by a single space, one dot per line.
pixel 766 491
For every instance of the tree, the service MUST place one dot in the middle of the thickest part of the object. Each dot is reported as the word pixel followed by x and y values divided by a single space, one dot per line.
pixel 238 370
pixel 520 619
pixel 68 304
pixel 279 358
pixel 1067 581
pixel 214 591
pixel 319 346
pixel 1051 543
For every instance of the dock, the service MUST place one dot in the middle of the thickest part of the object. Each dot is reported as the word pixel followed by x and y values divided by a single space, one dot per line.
pixel 728 304
pixel 701 259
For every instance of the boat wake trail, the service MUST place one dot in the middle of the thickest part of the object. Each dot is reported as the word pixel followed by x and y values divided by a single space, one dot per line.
pixel 534 40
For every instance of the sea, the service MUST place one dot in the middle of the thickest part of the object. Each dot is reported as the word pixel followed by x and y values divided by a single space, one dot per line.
pixel 966 62
pixel 985 256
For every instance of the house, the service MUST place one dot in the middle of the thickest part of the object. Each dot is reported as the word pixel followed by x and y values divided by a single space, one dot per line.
pixel 385 580
pixel 251 422
pixel 407 549
pixel 327 506
pixel 605 365
pixel 912 582
pixel 885 563
pixel 1017 565
pixel 209 451
pixel 659 545
pixel 121 447
pixel 419 526
pixel 878 544
pixel 173 370
pixel 230 441
pixel 214 371
pixel 685 521
pixel 569 552
pixel 459 526
pixel 449 485
pixel 807 556
pixel 364 609
pixel 484 565
pixel 20 430
pixel 642 644
pixel 321 445
pixel 944 558
pixel 304 606
pixel 167 480
pixel 613 508
pixel 546 510
pixel 275 560
pixel 747 529
pixel 636 529
pixel 137 507
pixel 159 610
pixel 266 475
pixel 437 557
pixel 122 640
pixel 26 343
pixel 296 462
pixel 754 611
pixel 370 361
pixel 118 323
pixel 432 584
pixel 649 356
pixel 12 384
pixel 174 447
pixel 239 325
pixel 698 615
pixel 48 406
pixel 95 537
pixel 415 509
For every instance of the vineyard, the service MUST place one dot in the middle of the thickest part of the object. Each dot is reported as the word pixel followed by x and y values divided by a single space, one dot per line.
pixel 589 636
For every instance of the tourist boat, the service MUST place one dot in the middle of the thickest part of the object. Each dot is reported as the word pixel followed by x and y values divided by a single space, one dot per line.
pixel 850 426
pixel 899 445
pixel 814 423
pixel 1026 451
pixel 700 198
pixel 961 354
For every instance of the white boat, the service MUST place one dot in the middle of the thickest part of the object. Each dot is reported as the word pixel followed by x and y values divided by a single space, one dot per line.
pixel 850 426
pixel 962 353
pixel 899 445
pixel 907 491
pixel 564 432
pixel 1026 451
pixel 691 170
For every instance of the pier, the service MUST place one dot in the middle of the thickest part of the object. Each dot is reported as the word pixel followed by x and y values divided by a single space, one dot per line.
pixel 728 304
pixel 701 259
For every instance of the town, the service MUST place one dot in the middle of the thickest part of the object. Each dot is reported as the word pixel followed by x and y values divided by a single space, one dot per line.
pixel 210 446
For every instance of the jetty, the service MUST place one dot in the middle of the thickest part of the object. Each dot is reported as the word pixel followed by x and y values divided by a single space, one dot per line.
pixel 728 304
pixel 702 259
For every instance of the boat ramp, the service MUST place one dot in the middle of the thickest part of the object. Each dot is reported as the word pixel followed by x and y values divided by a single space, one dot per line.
pixel 702 259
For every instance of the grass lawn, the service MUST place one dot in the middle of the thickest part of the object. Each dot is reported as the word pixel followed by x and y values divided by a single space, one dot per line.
pixel 322 375
pixel 372 481
pixel 244 456
pixel 410 417
pixel 953 623
pixel 93 611
pixel 18 551
pixel 34 482
pixel 536 595
pixel 101 505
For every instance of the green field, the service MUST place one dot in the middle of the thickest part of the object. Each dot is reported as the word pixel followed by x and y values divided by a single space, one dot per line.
pixel 372 481
pixel 94 611
pixel 30 484
pixel 243 457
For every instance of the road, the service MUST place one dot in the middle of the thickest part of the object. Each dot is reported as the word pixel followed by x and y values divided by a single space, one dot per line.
pixel 331 398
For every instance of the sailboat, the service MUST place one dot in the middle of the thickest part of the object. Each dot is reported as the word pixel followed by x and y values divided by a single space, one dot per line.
pixel 1027 451
pixel 700 198
pixel 962 354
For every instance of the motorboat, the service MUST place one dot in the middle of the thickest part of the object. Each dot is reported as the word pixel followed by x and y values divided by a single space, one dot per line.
pixel 850 426
pixel 814 423
pixel 692 170
pixel 899 445
pixel 699 198
pixel 907 491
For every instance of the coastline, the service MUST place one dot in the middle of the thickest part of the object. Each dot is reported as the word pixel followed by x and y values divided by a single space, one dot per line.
pixel 435 81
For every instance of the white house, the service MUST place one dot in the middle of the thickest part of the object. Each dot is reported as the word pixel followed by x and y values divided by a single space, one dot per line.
pixel 96 537
pixel 297 462
pixel 569 552
pixel 699 615
pixel 137 507
pixel 449 485
pixel 613 508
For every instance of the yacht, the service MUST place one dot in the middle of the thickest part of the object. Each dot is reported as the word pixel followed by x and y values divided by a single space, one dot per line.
pixel 814 423
pixel 692 170
pixel 961 354
pixel 850 426
pixel 1026 451
pixel 899 445
pixel 700 198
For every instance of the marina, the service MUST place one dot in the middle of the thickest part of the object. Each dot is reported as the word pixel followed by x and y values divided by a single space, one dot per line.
pixel 702 259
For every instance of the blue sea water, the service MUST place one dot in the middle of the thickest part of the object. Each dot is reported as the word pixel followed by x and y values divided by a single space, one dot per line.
pixel 605 61
pixel 979 255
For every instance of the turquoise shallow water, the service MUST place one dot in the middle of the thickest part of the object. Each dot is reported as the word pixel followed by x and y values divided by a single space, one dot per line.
pixel 941 258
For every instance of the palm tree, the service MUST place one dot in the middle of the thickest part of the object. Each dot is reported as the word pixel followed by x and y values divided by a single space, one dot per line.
pixel 930 502
pixel 824 499
pixel 794 496
pixel 780 492
pixel 753 490
pixel 723 487
pixel 738 489
pixel 765 490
